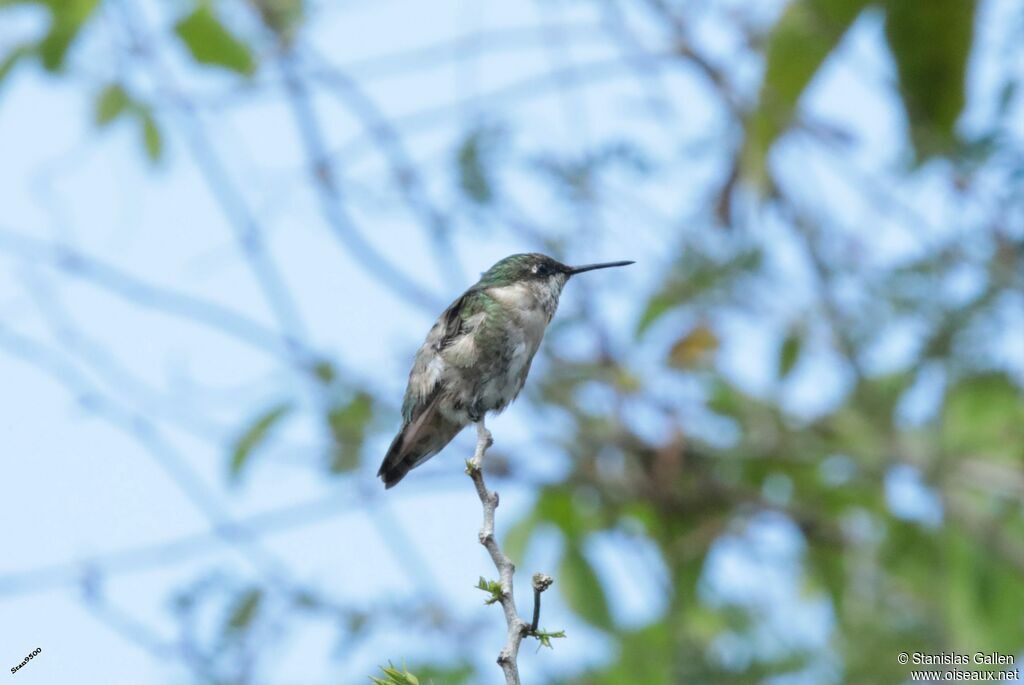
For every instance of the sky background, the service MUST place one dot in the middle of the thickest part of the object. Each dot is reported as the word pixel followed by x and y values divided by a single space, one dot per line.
pixel 86 476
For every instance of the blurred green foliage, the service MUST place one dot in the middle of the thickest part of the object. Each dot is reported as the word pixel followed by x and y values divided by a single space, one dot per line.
pixel 254 436
pixel 394 676
pixel 210 42
pixel 930 43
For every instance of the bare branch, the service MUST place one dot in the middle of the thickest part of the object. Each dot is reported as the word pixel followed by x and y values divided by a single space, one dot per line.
pixel 133 288
pixel 404 172
pixel 341 223
pixel 148 434
pixel 517 628
pixel 248 231
pixel 506 569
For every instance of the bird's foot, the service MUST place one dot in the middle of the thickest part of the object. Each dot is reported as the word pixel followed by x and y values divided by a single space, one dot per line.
pixel 483 441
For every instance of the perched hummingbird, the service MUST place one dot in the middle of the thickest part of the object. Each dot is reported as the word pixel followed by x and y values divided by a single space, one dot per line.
pixel 476 356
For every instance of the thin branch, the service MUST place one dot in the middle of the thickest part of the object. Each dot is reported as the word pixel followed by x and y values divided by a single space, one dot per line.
pixel 684 49
pixel 341 223
pixel 478 43
pixel 506 569
pixel 517 628
pixel 138 633
pixel 504 97
pixel 133 288
pixel 178 549
pixel 247 230
pixel 146 433
pixel 404 172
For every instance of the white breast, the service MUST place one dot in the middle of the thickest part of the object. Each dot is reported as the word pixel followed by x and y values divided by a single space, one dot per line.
pixel 521 356
pixel 526 302
pixel 527 305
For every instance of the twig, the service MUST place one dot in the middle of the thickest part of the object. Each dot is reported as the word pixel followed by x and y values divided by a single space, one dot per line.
pixel 248 231
pixel 124 284
pixel 541 582
pixel 404 172
pixel 324 179
pixel 517 628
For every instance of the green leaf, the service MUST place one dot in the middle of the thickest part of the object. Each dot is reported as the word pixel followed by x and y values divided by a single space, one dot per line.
pixel 325 372
pixel 67 17
pixel 930 42
pixel 111 103
pixel 983 594
pixel 697 279
pixel 555 505
pixel 474 160
pixel 114 101
pixel 582 589
pixel 243 611
pixel 693 348
pixel 395 676
pixel 254 436
pixel 545 637
pixel 789 353
pixel 799 43
pixel 348 423
pixel 984 415
pixel 492 587
pixel 151 138
pixel 210 42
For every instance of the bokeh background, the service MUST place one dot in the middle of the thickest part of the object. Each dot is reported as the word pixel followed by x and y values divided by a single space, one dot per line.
pixel 783 447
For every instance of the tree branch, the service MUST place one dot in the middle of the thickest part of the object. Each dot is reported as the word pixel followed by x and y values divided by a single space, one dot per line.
pixel 517 628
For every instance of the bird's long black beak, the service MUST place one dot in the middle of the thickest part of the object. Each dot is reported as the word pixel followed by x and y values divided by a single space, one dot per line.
pixel 573 270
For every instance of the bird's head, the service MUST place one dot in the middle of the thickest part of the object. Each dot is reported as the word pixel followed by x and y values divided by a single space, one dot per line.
pixel 533 267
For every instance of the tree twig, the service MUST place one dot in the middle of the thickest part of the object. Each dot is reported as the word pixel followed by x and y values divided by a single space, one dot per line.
pixel 517 627
pixel 541 582
pixel 338 218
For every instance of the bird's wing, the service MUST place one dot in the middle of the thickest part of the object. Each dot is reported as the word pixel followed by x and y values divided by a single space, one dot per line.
pixel 428 369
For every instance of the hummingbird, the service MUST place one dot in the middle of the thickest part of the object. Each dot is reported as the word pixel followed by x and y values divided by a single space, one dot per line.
pixel 477 355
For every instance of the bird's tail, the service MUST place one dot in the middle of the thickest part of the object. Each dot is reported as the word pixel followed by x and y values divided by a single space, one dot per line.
pixel 417 442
